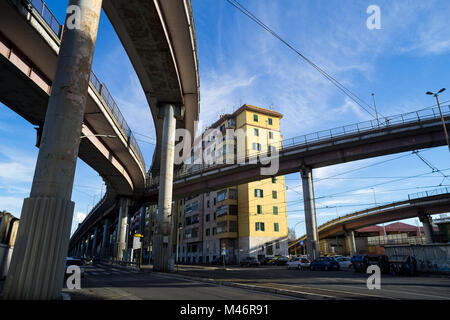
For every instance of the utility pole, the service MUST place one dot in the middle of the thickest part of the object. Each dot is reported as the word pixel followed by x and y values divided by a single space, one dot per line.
pixel 375 106
pixel 440 112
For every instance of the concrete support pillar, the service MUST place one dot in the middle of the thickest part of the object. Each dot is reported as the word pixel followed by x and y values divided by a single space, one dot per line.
pixel 89 246
pixel 82 247
pixel 312 236
pixel 427 228
pixel 38 260
pixel 142 221
pixel 94 243
pixel 122 229
pixel 161 243
pixel 105 238
pixel 351 243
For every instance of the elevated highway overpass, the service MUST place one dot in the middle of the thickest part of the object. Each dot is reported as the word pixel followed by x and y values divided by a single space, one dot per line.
pixel 159 37
pixel 29 51
pixel 420 205
pixel 399 133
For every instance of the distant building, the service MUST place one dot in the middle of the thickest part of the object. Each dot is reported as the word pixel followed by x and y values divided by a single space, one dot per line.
pixel 372 239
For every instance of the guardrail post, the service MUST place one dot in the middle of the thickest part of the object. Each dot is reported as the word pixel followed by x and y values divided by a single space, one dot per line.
pixel 37 266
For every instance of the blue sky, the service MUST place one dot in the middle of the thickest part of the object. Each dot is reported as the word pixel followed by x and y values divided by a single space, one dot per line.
pixel 241 63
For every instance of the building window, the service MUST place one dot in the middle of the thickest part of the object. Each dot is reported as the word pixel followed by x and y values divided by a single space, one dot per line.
pixel 207 217
pixel 214 201
pixel 274 194
pixel 256 132
pixel 258 209
pixel 222 195
pixel 259 193
pixel 214 231
pixel 274 179
pixel 270 135
pixel 256 146
pixel 275 210
pixel 277 244
pixel 214 216
pixel 276 228
pixel 207 203
pixel 208 232
pixel 222 210
pixel 255 117
pixel 270 121
pixel 233 194
pixel 259 226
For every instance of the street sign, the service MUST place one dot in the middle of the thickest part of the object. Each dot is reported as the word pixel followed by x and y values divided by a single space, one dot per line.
pixel 302 242
pixel 136 243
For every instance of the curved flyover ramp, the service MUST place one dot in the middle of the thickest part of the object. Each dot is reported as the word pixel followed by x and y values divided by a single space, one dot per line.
pixel 28 54
pixel 159 38
pixel 413 207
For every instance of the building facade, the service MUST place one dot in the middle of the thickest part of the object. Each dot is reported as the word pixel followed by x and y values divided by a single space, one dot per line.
pixel 243 220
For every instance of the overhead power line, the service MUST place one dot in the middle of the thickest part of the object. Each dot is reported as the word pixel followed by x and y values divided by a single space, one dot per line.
pixel 339 85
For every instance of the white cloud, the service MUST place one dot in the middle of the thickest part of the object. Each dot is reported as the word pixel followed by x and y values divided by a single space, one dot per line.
pixel 11 204
pixel 80 216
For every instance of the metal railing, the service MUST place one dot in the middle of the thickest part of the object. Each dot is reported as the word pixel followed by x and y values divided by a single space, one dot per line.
pixel 365 126
pixel 396 204
pixel 103 91
pixel 325 135
pixel 48 16
pixel 429 193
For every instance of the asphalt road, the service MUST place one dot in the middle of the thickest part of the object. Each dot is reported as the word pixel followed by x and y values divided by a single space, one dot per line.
pixel 326 284
pixel 105 282
pixel 102 282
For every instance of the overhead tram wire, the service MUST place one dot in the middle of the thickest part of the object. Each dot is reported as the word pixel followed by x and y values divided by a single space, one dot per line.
pixel 429 164
pixel 339 85
pixel 378 184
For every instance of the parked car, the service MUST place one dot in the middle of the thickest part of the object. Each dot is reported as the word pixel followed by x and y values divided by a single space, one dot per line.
pixel 74 262
pixel 325 263
pixel 249 261
pixel 298 263
pixel 403 264
pixel 264 261
pixel 344 263
pixel 361 262
pixel 279 261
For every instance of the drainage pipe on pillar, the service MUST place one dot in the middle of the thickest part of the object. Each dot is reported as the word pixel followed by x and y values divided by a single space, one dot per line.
pixel 312 237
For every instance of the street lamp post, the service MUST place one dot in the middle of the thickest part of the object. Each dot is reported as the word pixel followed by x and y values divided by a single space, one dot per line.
pixel 440 112
pixel 178 237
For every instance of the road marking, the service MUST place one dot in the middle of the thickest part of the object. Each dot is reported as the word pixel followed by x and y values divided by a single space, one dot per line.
pixel 228 286
pixel 340 291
